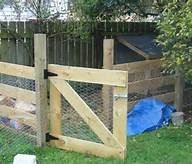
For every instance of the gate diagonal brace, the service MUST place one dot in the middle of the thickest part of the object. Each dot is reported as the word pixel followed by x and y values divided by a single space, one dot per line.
pixel 49 137
pixel 47 74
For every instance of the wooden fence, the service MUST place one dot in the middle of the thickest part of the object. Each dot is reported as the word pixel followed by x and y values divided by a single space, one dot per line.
pixel 18 93
pixel 146 79
pixel 16 41
pixel 145 83
pixel 112 142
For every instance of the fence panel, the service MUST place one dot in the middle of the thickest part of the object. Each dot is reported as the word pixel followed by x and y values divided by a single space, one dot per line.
pixel 146 79
pixel 18 121
pixel 16 41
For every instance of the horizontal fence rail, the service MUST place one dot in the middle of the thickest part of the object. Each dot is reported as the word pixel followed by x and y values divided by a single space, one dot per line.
pixel 18 93
pixel 17 70
pixel 143 83
pixel 89 75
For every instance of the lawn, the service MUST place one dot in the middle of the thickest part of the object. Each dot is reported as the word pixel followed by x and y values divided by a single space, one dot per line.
pixel 168 145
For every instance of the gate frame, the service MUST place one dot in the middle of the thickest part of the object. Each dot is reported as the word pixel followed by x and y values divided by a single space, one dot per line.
pixel 114 143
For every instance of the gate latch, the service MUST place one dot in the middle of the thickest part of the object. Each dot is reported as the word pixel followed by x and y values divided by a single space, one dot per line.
pixel 47 74
pixel 120 96
pixel 49 137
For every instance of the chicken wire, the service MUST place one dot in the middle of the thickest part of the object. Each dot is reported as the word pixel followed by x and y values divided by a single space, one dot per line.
pixel 15 136
pixel 95 97
pixel 148 91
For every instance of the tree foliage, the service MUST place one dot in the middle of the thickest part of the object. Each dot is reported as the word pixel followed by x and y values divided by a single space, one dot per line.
pixel 175 36
pixel 99 10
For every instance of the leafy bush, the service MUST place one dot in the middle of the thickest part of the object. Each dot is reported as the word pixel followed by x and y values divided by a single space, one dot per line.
pixel 175 37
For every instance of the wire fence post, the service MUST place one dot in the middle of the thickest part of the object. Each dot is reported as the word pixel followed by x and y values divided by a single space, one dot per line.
pixel 41 87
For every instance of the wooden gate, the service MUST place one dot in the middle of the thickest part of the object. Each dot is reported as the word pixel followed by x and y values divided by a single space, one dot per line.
pixel 113 141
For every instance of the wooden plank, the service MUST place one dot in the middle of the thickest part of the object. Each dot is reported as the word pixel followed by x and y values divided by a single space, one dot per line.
pixel 82 146
pixel 154 83
pixel 21 116
pixel 179 89
pixel 108 53
pixel 120 114
pixel 132 47
pixel 89 75
pixel 18 93
pixel 85 112
pixel 138 66
pixel 107 91
pixel 17 70
pixel 167 98
pixel 41 87
pixel 55 110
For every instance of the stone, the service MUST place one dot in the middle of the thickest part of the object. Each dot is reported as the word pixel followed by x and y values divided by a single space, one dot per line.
pixel 24 159
pixel 177 118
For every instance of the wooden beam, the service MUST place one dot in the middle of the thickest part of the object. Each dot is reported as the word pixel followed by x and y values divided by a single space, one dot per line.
pixel 55 110
pixel 108 53
pixel 140 66
pixel 41 87
pixel 82 146
pixel 85 112
pixel 21 116
pixel 167 98
pixel 120 103
pixel 107 91
pixel 18 93
pixel 132 47
pixel 89 75
pixel 179 89
pixel 17 70
pixel 154 83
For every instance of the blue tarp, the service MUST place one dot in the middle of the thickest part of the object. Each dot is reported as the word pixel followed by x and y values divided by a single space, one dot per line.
pixel 147 115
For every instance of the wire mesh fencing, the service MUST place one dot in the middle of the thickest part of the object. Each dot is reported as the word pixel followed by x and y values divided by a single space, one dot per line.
pixel 17 132
pixel 151 83
pixel 95 96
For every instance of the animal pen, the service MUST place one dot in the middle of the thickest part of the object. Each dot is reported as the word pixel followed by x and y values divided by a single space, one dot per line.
pixel 74 108
pixel 75 118
pixel 147 79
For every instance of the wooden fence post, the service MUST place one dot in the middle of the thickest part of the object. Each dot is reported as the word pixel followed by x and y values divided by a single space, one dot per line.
pixel 108 53
pixel 120 106
pixel 179 89
pixel 108 58
pixel 41 87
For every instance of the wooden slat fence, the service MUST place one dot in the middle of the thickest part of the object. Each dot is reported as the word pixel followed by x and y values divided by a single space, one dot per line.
pixel 146 79
pixel 16 41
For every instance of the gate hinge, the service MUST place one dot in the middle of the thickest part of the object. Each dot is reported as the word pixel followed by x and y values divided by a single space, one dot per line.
pixel 47 74
pixel 49 137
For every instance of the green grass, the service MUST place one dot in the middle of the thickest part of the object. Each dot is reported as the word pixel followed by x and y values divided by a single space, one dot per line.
pixel 165 146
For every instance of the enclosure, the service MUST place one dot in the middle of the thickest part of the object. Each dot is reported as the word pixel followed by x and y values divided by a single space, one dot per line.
pixel 77 117
pixel 76 108
pixel 148 78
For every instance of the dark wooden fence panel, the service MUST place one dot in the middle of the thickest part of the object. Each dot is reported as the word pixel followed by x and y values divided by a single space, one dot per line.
pixel 16 41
